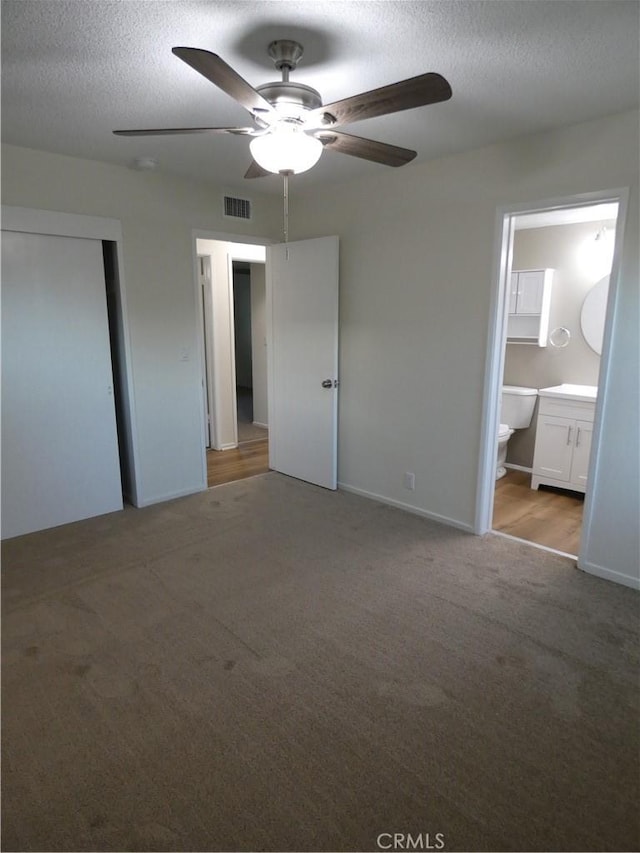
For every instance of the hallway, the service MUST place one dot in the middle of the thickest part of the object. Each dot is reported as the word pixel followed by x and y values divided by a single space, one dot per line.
pixel 247 460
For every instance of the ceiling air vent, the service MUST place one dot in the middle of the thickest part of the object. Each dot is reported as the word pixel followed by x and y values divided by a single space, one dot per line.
pixel 237 208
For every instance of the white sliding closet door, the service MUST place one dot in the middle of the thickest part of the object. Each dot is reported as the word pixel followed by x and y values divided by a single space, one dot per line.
pixel 60 459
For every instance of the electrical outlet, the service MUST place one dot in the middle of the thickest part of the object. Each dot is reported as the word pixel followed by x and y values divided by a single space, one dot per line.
pixel 409 481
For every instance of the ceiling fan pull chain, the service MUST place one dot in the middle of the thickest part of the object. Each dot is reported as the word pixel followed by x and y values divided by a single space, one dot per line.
pixel 285 179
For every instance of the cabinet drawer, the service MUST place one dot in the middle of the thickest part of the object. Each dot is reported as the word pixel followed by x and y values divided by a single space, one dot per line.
pixel 574 409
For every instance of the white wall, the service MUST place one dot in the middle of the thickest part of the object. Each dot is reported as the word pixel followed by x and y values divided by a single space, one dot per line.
pixel 416 277
pixel 158 214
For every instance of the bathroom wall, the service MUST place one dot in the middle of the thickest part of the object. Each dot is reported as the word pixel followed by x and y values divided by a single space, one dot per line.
pixel 572 252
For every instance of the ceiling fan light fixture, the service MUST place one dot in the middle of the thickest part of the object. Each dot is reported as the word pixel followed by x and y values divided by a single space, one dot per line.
pixel 286 150
pixel 289 118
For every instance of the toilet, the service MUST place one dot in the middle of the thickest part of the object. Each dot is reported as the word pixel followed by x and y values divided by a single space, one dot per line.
pixel 516 412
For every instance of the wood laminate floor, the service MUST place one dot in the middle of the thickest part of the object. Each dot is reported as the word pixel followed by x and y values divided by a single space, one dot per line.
pixel 548 516
pixel 246 460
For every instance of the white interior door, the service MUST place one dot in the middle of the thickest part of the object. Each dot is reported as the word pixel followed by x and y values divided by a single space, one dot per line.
pixel 60 459
pixel 302 348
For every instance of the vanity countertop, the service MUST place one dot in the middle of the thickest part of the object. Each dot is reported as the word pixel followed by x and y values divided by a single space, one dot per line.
pixel 583 393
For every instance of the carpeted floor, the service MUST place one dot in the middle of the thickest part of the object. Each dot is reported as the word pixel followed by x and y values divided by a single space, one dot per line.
pixel 271 666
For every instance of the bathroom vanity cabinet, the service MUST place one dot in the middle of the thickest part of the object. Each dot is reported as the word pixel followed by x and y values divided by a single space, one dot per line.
pixel 563 436
pixel 529 304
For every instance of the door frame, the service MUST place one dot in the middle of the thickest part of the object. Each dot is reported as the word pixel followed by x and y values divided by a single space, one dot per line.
pixel 59 224
pixel 204 277
pixel 221 237
pixel 496 345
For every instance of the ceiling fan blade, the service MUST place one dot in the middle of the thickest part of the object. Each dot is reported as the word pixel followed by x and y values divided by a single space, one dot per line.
pixel 222 75
pixel 171 131
pixel 367 149
pixel 256 171
pixel 415 92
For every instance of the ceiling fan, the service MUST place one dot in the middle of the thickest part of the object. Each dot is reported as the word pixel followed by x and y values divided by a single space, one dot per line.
pixel 291 125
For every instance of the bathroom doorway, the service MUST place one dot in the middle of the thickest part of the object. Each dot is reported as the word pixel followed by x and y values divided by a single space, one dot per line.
pixel 555 286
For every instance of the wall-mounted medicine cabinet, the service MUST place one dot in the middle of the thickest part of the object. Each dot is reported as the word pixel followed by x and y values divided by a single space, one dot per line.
pixel 529 303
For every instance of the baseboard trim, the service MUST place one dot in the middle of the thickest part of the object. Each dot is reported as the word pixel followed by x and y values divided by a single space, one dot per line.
pixel 259 424
pixel 609 574
pixel 414 510
pixel 518 468
pixel 183 493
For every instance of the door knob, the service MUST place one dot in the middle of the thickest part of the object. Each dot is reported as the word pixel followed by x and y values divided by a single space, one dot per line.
pixel 329 383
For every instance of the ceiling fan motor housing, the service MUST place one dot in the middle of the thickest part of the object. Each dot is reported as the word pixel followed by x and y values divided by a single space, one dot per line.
pixel 290 99
pixel 286 53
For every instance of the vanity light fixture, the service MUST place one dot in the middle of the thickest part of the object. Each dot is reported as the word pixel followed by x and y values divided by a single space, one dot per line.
pixel 595 254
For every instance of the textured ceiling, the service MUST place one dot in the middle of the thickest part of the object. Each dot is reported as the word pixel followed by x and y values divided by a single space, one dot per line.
pixel 74 71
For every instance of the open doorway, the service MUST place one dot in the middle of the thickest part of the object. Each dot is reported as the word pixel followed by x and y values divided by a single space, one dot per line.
pixel 231 278
pixel 249 295
pixel 547 368
pixel 301 323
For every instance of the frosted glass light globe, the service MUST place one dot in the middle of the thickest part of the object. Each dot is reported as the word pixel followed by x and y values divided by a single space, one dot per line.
pixel 286 150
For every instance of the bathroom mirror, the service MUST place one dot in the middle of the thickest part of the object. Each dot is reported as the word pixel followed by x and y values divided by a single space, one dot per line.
pixel 594 309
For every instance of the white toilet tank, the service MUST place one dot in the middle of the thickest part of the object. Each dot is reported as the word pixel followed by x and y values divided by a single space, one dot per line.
pixel 517 406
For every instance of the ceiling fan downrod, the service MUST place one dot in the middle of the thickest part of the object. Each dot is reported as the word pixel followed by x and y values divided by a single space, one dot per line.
pixel 285 54
pixel 290 99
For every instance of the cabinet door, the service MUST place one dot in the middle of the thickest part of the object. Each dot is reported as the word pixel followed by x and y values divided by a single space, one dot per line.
pixel 554 447
pixel 530 292
pixel 513 293
pixel 582 449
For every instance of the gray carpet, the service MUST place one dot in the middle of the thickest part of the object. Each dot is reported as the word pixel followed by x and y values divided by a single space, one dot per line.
pixel 272 666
